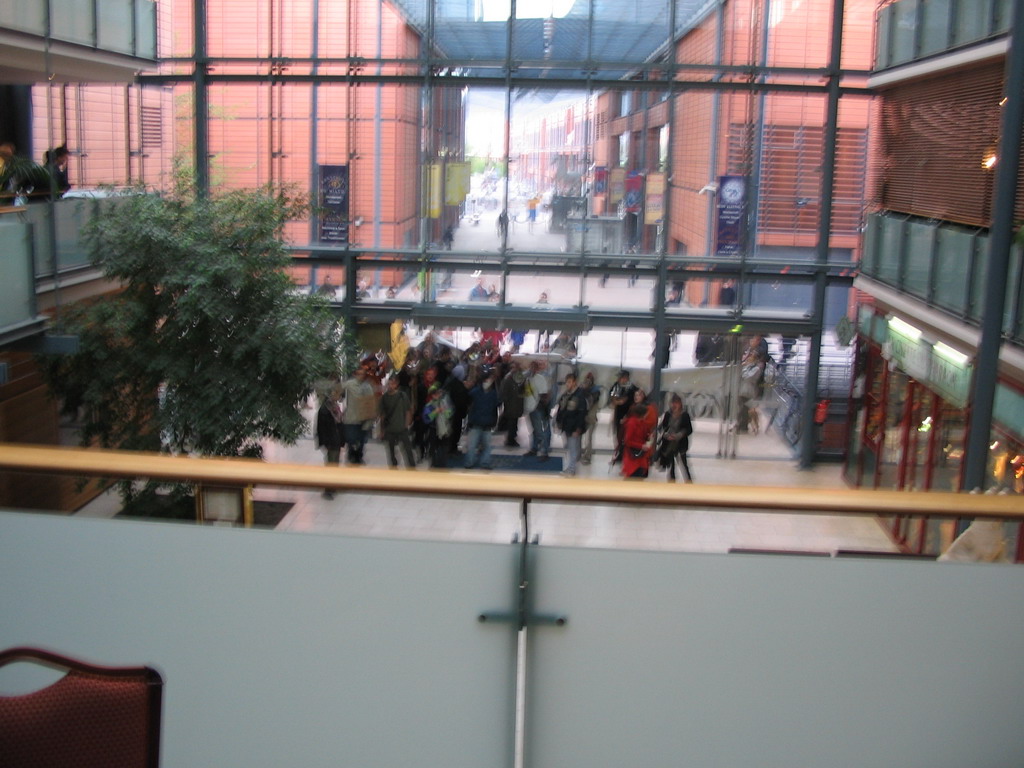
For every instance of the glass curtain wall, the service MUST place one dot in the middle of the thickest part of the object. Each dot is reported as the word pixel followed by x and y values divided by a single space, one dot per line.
pixel 685 168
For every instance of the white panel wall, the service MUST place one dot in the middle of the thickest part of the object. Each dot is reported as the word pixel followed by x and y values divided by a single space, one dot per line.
pixel 278 649
pixel 301 650
pixel 768 661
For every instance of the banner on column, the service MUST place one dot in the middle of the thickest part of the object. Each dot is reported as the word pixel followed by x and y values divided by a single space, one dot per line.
pixel 456 183
pixel 434 191
pixel 333 204
pixel 732 215
pixel 617 185
pixel 654 205
pixel 634 192
pixel 600 180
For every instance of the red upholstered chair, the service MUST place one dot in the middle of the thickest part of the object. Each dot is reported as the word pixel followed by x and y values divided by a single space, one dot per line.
pixel 91 717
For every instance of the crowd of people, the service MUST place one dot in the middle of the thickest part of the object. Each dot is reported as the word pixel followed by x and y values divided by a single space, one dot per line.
pixel 444 407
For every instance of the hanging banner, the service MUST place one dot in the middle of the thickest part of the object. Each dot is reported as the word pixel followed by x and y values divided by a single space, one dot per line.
pixel 634 192
pixel 333 204
pixel 456 183
pixel 654 203
pixel 732 215
pixel 617 182
pixel 434 186
pixel 600 180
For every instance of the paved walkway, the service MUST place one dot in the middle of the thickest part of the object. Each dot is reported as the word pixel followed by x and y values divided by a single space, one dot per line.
pixel 768 463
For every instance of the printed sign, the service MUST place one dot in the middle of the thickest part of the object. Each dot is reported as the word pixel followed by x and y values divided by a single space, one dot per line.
pixel 334 204
pixel 634 192
pixel 732 215
pixel 617 182
pixel 654 206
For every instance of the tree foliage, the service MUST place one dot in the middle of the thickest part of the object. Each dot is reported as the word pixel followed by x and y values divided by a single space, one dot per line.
pixel 207 348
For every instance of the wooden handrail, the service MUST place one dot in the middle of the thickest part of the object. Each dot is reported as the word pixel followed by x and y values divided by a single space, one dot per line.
pixel 240 472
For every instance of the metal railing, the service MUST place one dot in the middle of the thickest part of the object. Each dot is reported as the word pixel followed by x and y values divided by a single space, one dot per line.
pixel 941 264
pixel 250 472
pixel 911 30
pixel 119 26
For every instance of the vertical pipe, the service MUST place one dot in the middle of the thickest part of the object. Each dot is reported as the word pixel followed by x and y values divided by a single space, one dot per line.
pixel 378 138
pixel 314 138
pixel 724 435
pixel 51 212
pixel 1000 241
pixel 661 329
pixel 201 97
pixel 588 138
pixel 507 144
pixel 808 435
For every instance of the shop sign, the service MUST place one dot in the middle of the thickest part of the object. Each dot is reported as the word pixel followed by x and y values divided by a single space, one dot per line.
pixel 951 380
pixel 910 354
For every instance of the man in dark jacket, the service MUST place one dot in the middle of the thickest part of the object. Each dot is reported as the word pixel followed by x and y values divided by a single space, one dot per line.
pixel 329 432
pixel 571 419
pixel 395 422
pixel 512 387
pixel 481 418
pixel 620 396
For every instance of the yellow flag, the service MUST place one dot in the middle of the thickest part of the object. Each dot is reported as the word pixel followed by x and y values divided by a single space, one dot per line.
pixel 399 345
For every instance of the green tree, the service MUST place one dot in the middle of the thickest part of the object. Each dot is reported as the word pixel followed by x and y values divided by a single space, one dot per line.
pixel 206 348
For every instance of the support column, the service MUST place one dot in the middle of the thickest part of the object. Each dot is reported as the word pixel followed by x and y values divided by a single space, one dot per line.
pixel 808 435
pixel 1000 240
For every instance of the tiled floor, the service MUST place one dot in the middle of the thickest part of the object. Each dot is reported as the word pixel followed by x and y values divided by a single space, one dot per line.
pixel 611 526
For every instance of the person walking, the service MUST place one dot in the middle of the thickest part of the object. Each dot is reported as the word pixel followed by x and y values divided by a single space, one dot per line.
pixel 395 423
pixel 481 418
pixel 676 428
pixel 512 402
pixel 329 434
pixel 593 394
pixel 360 412
pixel 437 416
pixel 620 397
pixel 536 404
pixel 571 419
pixel 636 444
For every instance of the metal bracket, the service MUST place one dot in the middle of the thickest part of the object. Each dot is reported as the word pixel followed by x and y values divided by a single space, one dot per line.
pixel 521 617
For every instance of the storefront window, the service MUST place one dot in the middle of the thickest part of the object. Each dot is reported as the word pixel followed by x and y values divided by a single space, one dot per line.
pixel 895 436
pixel 1006 463
pixel 949 448
pixel 920 440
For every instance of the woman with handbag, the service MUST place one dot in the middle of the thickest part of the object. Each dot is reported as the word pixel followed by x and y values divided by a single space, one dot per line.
pixel 676 428
pixel 637 443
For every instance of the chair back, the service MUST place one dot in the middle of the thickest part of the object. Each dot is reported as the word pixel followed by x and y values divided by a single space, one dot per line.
pixel 92 716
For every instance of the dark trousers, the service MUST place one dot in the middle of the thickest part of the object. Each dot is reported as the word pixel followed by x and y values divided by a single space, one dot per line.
pixel 680 456
pixel 402 439
pixel 512 425
pixel 437 448
pixel 355 439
